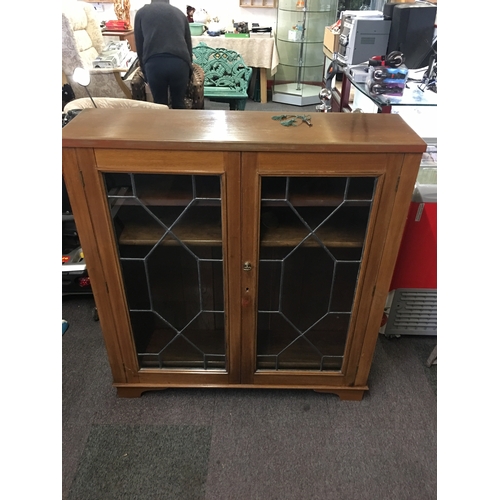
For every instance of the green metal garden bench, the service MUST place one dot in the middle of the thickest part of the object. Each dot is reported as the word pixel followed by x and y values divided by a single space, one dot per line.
pixel 227 77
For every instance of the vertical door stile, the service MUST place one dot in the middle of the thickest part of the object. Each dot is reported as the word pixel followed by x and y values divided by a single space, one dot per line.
pixel 232 250
pixel 250 215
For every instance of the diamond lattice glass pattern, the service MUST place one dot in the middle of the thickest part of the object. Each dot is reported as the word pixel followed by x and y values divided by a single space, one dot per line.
pixel 169 237
pixel 312 236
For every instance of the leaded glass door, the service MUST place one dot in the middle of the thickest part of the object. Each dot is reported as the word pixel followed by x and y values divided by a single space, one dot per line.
pixel 312 235
pixel 170 241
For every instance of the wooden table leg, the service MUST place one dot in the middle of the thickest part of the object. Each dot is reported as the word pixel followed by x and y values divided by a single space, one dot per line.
pixel 340 101
pixel 345 93
pixel 263 85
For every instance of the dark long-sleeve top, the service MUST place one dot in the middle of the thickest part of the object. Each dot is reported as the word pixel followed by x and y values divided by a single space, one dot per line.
pixel 160 28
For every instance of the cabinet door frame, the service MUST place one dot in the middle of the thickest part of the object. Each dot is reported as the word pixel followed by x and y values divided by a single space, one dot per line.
pixel 85 168
pixel 386 168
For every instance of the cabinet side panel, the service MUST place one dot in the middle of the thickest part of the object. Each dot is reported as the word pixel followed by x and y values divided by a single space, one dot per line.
pixel 376 239
pixel 406 181
pixel 74 161
pixel 104 236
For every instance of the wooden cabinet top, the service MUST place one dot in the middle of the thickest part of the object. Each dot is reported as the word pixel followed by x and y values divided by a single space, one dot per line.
pixel 205 130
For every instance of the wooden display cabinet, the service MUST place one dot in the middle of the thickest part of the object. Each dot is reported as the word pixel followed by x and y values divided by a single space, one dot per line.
pixel 226 250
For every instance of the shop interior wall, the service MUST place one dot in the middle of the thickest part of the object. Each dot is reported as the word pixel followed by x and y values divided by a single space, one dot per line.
pixel 227 11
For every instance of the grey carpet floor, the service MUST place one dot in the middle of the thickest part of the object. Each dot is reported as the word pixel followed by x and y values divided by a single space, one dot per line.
pixel 268 106
pixel 246 444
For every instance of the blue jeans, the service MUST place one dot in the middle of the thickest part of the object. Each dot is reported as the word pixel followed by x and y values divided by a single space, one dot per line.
pixel 166 72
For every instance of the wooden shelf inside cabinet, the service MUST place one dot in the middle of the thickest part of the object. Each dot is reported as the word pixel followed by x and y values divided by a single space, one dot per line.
pixel 177 199
pixel 289 236
pixel 199 232
pixel 318 192
pixel 150 234
pixel 180 353
pixel 276 350
pixel 269 4
pixel 166 191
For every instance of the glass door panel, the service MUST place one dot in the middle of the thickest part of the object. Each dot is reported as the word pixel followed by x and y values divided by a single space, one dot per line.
pixel 312 237
pixel 169 238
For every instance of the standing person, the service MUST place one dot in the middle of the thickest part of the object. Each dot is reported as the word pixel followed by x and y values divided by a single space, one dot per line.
pixel 165 51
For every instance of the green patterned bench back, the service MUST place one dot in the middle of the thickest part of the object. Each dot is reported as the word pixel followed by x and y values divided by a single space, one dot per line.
pixel 224 68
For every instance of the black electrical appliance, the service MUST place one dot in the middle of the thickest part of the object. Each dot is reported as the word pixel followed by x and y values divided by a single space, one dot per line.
pixel 412 31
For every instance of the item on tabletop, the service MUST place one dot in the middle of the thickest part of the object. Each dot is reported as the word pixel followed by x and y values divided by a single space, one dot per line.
pixel 197 29
pixel 122 11
pixel 115 55
pixel 325 96
pixel 117 25
pixel 201 16
pixel 291 120
pixel 214 28
pixel 387 75
pixel 241 27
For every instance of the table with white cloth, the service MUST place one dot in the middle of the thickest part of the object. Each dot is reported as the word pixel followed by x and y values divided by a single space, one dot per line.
pixel 258 53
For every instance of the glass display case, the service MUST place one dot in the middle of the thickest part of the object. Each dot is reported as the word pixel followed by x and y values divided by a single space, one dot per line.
pixel 299 39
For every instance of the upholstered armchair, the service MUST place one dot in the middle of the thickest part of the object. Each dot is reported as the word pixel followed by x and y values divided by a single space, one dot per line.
pixel 111 102
pixel 82 42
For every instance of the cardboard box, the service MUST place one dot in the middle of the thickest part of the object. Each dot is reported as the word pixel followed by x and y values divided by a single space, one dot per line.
pixel 327 53
pixel 331 40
